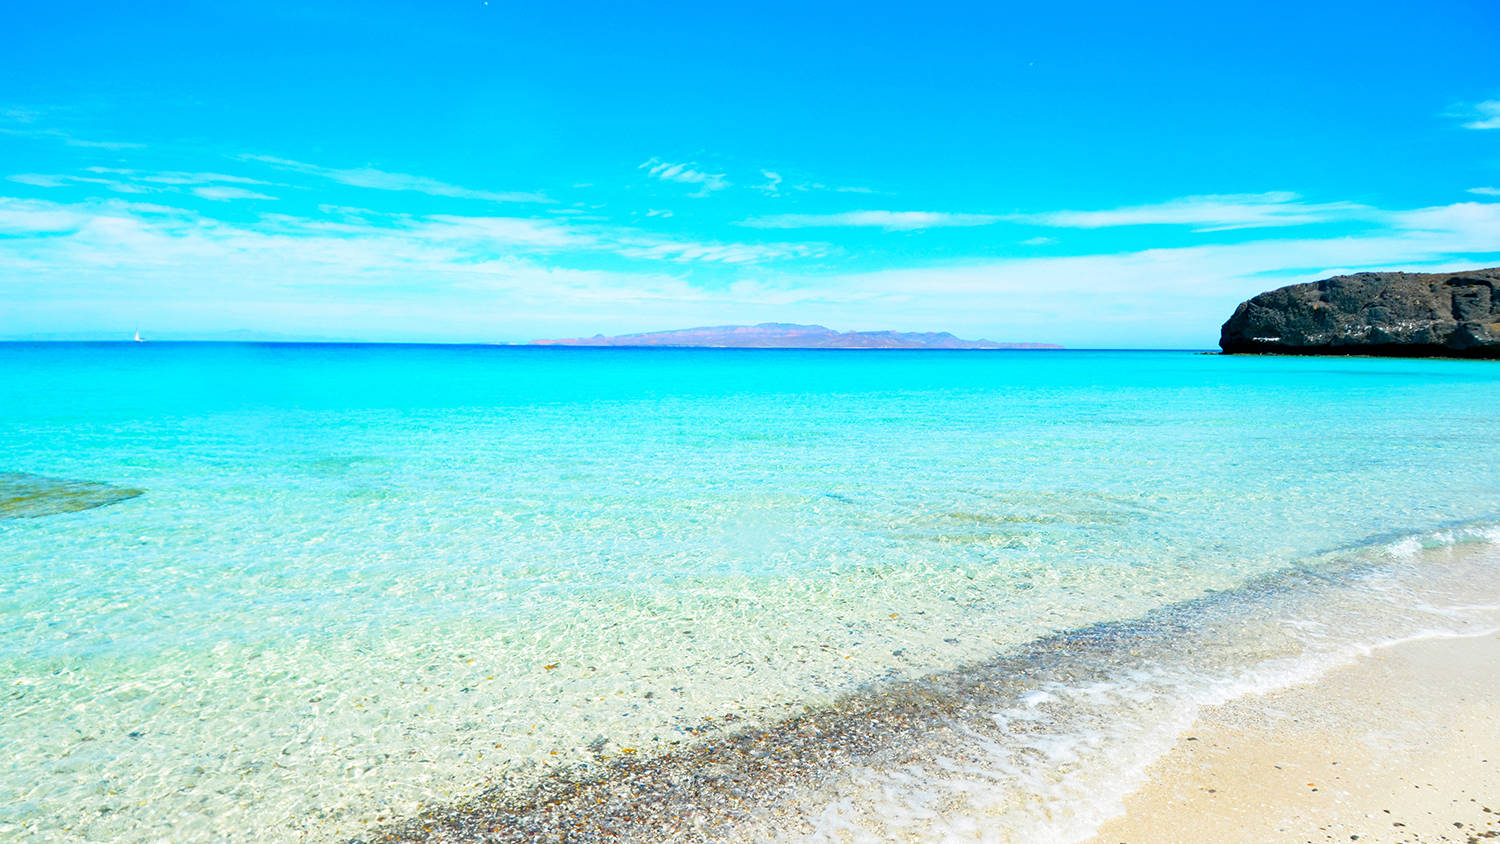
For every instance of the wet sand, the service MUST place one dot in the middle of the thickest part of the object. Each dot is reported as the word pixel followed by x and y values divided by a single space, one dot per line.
pixel 1401 746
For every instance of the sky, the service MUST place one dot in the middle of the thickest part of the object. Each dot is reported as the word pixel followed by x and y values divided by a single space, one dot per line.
pixel 1086 173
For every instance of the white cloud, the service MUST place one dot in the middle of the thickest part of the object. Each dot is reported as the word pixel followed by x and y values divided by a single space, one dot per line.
pixel 1485 191
pixel 808 187
pixel 21 216
pixel 1176 296
pixel 20 115
pixel 685 174
pixel 214 186
pixel 1038 241
pixel 441 277
pixel 889 220
pixel 223 193
pixel 1207 213
pixel 172 177
pixel 726 253
pixel 483 235
pixel 1476 223
pixel 369 177
pixel 387 275
pixel 40 180
pixel 501 232
pixel 1486 115
pixel 70 140
pixel 39 209
pixel 24 125
pixel 777 185
pixel 443 240
pixel 58 180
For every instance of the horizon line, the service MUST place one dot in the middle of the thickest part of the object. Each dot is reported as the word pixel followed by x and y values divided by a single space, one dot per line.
pixel 533 345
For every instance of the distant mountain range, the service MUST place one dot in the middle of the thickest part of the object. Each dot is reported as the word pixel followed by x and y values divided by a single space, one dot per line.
pixel 782 335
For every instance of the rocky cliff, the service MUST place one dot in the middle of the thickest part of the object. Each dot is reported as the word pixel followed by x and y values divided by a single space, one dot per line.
pixel 1398 314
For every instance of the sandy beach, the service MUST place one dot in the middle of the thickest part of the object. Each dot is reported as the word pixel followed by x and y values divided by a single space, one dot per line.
pixel 1401 746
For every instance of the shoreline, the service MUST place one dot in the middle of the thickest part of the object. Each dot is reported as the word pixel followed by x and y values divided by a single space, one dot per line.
pixel 1400 746
pixel 1140 687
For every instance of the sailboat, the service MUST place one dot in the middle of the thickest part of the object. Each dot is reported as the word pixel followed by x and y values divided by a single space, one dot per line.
pixel 138 336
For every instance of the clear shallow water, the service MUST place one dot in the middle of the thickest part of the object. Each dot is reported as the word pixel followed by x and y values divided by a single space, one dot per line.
pixel 361 579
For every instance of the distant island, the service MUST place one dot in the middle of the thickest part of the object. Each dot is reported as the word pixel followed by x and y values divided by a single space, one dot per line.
pixel 782 335
pixel 1455 314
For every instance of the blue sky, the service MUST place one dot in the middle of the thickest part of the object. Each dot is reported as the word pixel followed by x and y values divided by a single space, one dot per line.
pixel 1085 173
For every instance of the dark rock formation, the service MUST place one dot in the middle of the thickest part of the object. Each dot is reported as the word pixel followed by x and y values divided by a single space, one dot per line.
pixel 1395 314
pixel 24 496
pixel 783 335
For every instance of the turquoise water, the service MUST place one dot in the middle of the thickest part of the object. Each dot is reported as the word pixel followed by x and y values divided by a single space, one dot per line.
pixel 362 579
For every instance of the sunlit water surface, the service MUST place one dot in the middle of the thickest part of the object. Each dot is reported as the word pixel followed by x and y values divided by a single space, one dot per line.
pixel 363 579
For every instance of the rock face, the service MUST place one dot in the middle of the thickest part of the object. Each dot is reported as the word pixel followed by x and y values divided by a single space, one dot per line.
pixel 1394 314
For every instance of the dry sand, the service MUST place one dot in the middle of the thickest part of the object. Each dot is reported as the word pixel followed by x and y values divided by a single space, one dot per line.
pixel 1402 746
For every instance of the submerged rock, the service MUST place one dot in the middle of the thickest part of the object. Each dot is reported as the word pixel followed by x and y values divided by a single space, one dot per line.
pixel 1396 314
pixel 24 496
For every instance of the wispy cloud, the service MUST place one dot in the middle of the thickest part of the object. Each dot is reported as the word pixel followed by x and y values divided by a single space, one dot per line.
pixel 1416 236
pixel 1484 115
pixel 219 187
pixel 888 220
pixel 225 193
pixel 773 183
pixel 175 177
pixel 1218 212
pixel 435 277
pixel 1174 295
pixel 21 216
pixel 40 180
pixel 1208 213
pixel 68 139
pixel 34 216
pixel 688 174
pixel 724 253
pixel 59 180
pixel 369 177
pixel 479 236
pixel 23 123
pixel 485 234
pixel 813 187
pixel 20 115
pixel 389 272
pixel 444 238
pixel 1485 191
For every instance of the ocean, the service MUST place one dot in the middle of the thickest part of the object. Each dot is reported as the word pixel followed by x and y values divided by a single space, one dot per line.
pixel 918 595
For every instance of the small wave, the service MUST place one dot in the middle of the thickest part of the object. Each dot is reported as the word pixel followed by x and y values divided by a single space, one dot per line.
pixel 1414 544
pixel 1041 744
